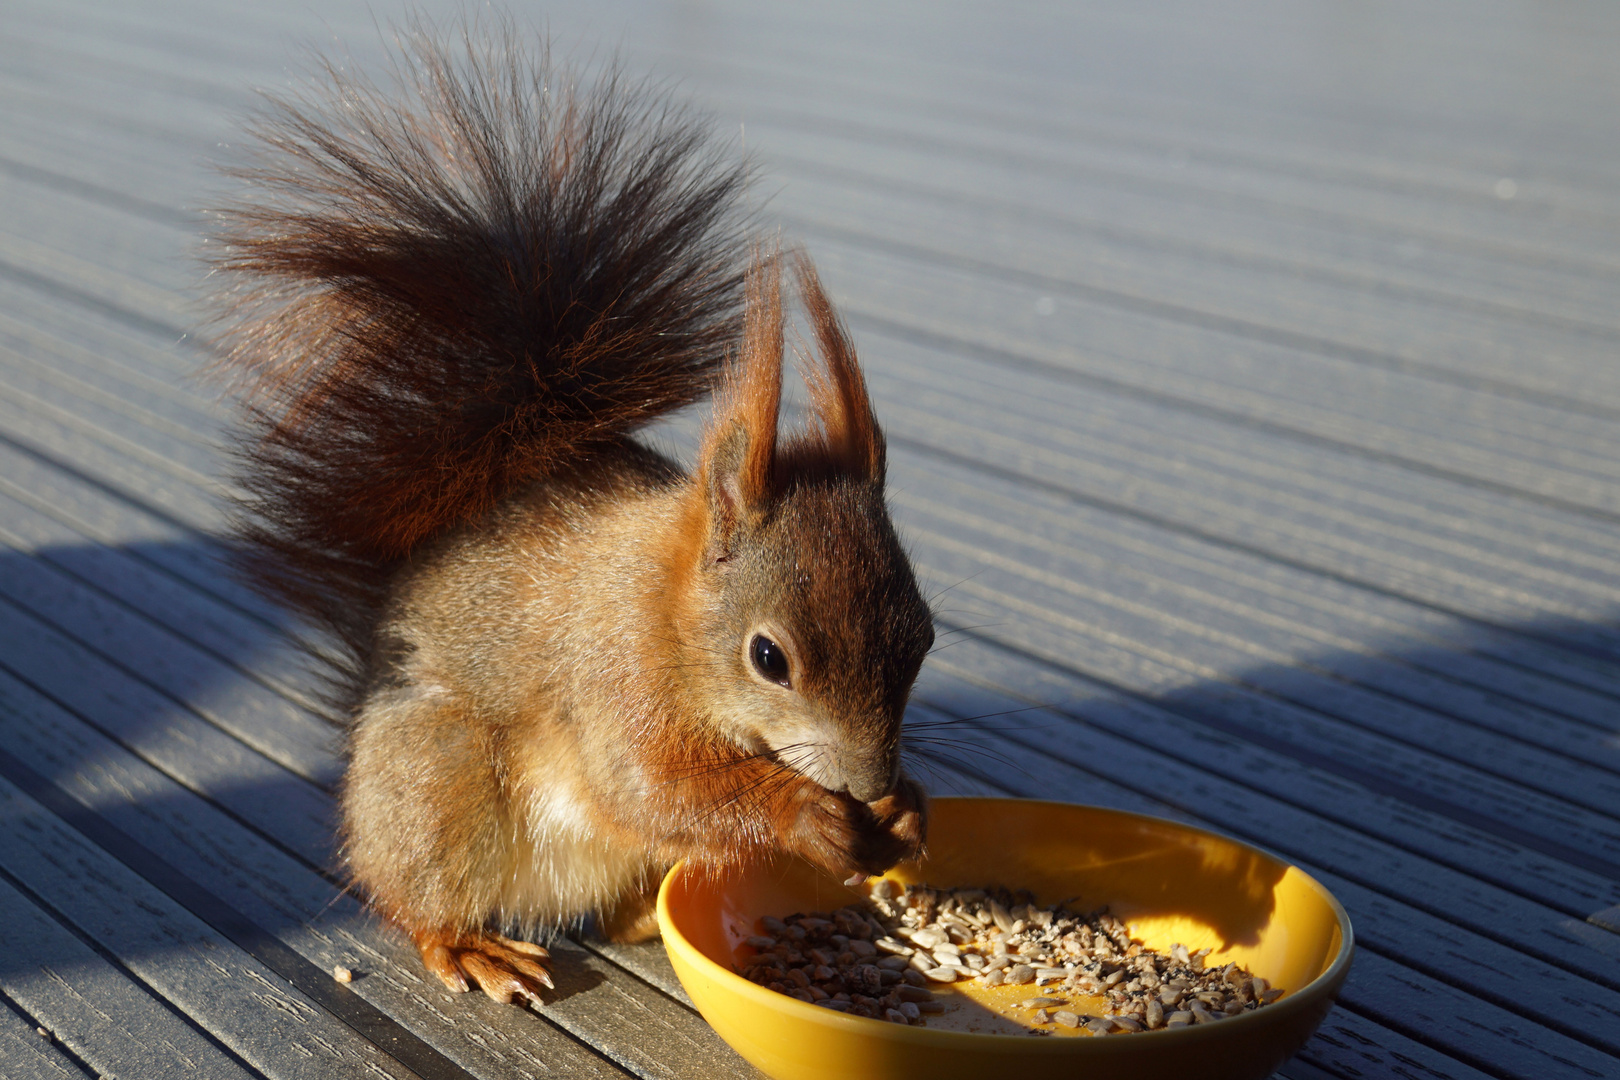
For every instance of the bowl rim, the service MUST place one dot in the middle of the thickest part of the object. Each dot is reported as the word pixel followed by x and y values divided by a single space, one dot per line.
pixel 1305 997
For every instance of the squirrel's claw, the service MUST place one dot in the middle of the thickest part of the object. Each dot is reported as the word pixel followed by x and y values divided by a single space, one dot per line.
pixel 505 969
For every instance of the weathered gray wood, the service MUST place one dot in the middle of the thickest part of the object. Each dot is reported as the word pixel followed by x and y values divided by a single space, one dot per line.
pixel 112 1022
pixel 1314 450
pixel 1084 452
pixel 211 687
pixel 1093 597
pixel 1311 817
pixel 31 1056
pixel 242 1003
pixel 1321 618
pixel 106 515
pixel 1110 653
pixel 208 623
pixel 1252 290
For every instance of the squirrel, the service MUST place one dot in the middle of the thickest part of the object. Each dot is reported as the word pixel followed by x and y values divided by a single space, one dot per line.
pixel 564 662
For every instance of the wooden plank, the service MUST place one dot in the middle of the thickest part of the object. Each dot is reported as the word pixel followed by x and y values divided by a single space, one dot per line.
pixel 1207 636
pixel 702 57
pixel 243 1004
pixel 1272 382
pixel 164 660
pixel 235 76
pixel 31 1056
pixel 887 214
pixel 55 371
pixel 1080 643
pixel 103 512
pixel 1146 207
pixel 168 735
pixel 180 605
pixel 1320 321
pixel 119 464
pixel 1312 817
pixel 112 1022
pixel 1078 453
pixel 1318 612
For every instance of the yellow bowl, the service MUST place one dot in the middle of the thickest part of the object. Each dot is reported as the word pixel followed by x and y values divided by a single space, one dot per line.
pixel 1169 882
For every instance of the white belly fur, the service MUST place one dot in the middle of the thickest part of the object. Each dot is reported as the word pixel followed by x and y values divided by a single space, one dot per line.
pixel 560 866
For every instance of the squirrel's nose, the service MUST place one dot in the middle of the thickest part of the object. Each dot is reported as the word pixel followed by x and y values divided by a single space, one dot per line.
pixel 874 777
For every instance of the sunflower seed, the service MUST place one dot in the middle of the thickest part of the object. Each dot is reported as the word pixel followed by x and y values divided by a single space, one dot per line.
pixel 878 959
pixel 1067 1018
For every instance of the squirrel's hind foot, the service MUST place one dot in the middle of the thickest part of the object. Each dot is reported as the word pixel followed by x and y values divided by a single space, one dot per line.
pixel 508 971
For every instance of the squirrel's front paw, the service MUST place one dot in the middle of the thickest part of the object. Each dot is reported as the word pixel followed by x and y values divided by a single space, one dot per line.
pixel 508 971
pixel 846 836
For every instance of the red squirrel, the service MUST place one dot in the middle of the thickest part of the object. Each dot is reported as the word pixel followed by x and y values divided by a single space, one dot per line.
pixel 566 662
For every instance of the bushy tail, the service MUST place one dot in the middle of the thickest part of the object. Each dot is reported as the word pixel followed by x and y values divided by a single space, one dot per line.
pixel 441 290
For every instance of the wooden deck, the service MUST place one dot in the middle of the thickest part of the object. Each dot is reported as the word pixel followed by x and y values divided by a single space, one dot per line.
pixel 1251 380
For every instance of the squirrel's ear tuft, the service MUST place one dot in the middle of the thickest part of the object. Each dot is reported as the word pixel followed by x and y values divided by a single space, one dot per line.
pixel 739 452
pixel 850 437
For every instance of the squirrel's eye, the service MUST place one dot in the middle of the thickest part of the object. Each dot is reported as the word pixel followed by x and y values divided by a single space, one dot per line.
pixel 770 659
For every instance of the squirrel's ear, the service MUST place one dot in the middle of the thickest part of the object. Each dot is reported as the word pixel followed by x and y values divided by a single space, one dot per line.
pixel 739 451
pixel 838 396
